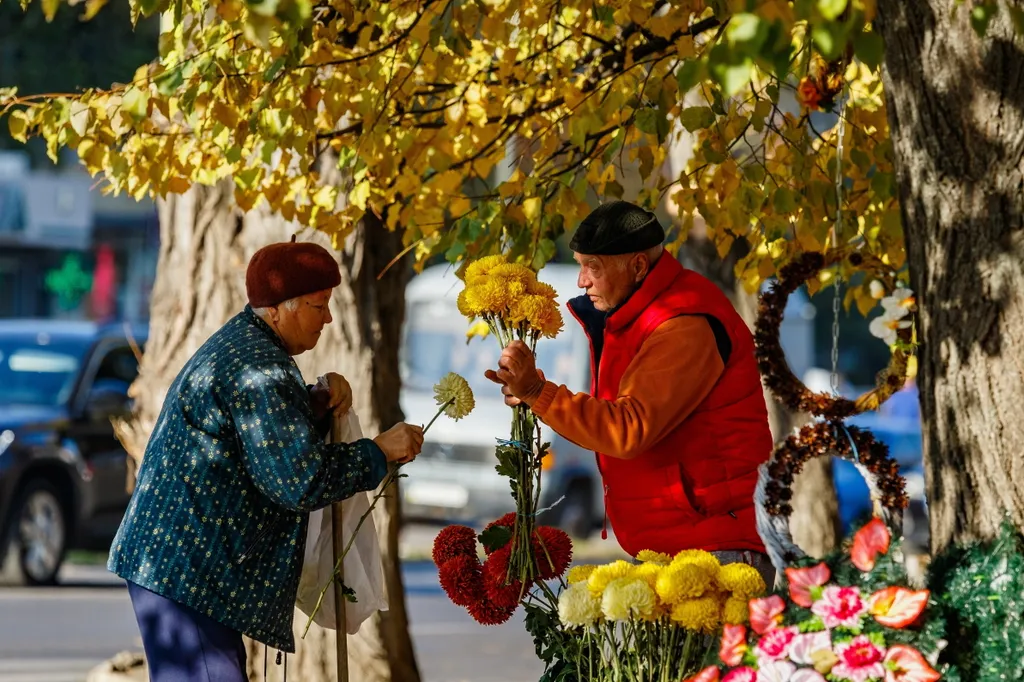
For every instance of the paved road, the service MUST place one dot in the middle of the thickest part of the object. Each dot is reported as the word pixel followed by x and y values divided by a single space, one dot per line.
pixel 59 634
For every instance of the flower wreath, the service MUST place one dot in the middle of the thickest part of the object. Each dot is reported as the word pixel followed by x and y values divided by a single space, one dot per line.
pixel 487 590
pixel 771 360
pixel 844 618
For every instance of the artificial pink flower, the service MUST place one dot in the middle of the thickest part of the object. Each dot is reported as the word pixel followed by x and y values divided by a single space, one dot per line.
pixel 860 660
pixel 775 671
pixel 801 580
pixel 906 664
pixel 774 644
pixel 804 646
pixel 708 674
pixel 744 674
pixel 898 607
pixel 734 644
pixel 766 613
pixel 840 607
pixel 870 541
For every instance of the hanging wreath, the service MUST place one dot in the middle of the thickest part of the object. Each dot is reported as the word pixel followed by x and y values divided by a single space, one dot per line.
pixel 771 360
pixel 824 439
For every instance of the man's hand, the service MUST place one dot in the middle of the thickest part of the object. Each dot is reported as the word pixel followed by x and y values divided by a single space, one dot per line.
pixel 401 443
pixel 340 400
pixel 520 380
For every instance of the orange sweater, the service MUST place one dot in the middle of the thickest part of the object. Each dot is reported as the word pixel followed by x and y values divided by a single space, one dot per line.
pixel 672 374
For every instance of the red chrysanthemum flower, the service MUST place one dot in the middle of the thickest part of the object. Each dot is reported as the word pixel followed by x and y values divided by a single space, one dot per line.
pixel 453 541
pixel 495 573
pixel 460 578
pixel 553 550
pixel 506 521
pixel 486 612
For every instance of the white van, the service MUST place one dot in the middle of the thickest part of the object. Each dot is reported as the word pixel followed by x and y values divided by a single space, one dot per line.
pixel 454 479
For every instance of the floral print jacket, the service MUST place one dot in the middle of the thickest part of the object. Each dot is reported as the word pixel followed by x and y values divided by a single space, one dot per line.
pixel 235 463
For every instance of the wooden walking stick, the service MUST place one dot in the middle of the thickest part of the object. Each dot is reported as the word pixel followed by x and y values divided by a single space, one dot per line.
pixel 339 596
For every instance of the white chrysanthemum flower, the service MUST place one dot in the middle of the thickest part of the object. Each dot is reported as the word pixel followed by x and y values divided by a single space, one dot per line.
pixel 578 606
pixel 625 598
pixel 454 392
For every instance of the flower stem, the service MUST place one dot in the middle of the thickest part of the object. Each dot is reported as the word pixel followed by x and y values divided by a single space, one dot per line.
pixel 443 407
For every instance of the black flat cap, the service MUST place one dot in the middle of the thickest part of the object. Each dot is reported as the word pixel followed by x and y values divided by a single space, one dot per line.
pixel 615 228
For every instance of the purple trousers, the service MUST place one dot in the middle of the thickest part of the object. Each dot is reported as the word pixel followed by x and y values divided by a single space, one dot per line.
pixel 183 645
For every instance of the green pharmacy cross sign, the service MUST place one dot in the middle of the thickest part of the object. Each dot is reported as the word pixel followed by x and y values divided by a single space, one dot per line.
pixel 69 282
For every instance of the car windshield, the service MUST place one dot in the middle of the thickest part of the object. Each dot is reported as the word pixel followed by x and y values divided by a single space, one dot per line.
pixel 435 344
pixel 37 370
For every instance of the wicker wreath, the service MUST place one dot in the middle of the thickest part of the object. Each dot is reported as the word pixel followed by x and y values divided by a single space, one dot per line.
pixel 771 360
pixel 775 479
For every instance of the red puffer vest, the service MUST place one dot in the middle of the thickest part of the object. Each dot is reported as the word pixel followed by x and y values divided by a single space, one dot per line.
pixel 694 489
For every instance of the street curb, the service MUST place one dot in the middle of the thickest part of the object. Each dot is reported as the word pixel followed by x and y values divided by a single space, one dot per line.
pixel 127 666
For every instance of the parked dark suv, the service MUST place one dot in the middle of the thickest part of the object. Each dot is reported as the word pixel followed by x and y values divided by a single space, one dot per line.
pixel 62 471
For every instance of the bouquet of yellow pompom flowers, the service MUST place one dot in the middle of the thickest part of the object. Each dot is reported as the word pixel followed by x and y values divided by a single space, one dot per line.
pixel 651 620
pixel 510 303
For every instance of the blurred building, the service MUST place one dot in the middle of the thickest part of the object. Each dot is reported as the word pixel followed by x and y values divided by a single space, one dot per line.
pixel 68 251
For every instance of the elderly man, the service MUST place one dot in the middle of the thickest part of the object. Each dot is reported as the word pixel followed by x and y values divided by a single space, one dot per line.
pixel 677 416
pixel 212 543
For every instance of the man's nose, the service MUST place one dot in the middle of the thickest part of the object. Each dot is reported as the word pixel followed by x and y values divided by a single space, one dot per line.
pixel 327 314
pixel 581 281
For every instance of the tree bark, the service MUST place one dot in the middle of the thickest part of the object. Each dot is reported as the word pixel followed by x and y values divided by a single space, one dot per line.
pixel 206 243
pixel 956 111
pixel 815 520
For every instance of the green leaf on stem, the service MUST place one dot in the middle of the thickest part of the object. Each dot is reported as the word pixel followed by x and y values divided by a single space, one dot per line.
pixel 495 537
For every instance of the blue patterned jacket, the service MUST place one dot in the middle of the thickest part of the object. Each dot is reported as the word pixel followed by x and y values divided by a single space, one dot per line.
pixel 235 463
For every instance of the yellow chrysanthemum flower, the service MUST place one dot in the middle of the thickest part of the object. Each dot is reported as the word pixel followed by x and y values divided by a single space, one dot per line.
pixel 648 572
pixel 481 267
pixel 702 615
pixel 490 297
pixel 579 574
pixel 735 611
pixel 454 391
pixel 706 560
pixel 467 303
pixel 741 579
pixel 543 315
pixel 682 581
pixel 478 328
pixel 538 288
pixel 647 555
pixel 602 575
pixel 626 598
pixel 514 272
pixel 578 607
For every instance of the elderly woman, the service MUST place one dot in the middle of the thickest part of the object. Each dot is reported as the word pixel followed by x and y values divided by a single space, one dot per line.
pixel 211 545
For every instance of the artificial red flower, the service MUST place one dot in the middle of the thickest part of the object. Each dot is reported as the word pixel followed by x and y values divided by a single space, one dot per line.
pixel 461 580
pixel 453 541
pixel 898 607
pixel 808 93
pixel 734 644
pixel 766 613
pixel 906 664
pixel 870 541
pixel 486 612
pixel 553 550
pixel 744 674
pixel 495 573
pixel 708 674
pixel 801 580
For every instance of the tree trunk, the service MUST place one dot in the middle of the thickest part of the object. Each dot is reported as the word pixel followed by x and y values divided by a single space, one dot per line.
pixel 956 110
pixel 205 246
pixel 815 519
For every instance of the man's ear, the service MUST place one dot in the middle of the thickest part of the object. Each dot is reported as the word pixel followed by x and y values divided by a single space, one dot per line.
pixel 641 266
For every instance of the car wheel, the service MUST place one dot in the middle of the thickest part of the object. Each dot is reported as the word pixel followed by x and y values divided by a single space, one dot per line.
pixel 576 512
pixel 37 536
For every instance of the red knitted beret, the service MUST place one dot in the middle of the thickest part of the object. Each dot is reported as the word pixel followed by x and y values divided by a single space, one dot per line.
pixel 279 272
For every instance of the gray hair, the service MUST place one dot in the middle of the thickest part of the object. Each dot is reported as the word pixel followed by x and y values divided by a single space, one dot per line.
pixel 291 305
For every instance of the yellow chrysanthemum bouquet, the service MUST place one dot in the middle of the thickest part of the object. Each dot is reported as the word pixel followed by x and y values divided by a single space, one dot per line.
pixel 508 300
pixel 650 620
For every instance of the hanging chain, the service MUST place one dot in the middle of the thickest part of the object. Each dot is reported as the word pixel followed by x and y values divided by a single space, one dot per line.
pixel 838 283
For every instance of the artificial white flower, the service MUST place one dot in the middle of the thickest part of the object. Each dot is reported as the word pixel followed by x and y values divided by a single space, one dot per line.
pixel 897 305
pixel 887 326
pixel 578 606
pixel 877 289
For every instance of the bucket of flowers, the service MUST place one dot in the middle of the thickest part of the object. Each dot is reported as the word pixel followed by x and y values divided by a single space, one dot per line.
pixel 651 620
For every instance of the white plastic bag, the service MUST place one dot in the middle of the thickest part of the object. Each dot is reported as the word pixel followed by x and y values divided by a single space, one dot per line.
pixel 363 570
